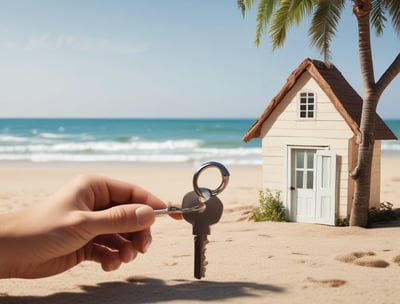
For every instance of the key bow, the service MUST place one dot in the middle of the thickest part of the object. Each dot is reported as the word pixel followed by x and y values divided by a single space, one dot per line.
pixel 204 194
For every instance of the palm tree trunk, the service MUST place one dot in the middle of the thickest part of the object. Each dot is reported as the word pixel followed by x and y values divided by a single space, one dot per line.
pixel 359 212
pixel 362 173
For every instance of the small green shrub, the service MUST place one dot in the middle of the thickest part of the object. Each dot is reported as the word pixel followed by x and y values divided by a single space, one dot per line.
pixel 342 222
pixel 271 207
pixel 384 213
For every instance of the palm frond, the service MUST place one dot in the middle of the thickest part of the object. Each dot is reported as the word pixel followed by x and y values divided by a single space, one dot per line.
pixel 324 25
pixel 244 5
pixel 300 9
pixel 393 7
pixel 288 13
pixel 280 23
pixel 377 17
pixel 264 13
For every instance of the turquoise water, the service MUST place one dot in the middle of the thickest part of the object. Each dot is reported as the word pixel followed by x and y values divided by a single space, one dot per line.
pixel 132 140
pixel 136 140
pixel 392 145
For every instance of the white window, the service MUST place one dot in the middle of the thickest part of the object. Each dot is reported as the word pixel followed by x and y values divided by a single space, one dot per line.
pixel 307 105
pixel 304 164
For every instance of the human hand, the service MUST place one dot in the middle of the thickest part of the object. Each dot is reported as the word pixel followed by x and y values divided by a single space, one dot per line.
pixel 92 218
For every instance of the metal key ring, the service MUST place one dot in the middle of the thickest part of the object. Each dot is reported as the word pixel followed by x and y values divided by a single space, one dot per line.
pixel 220 188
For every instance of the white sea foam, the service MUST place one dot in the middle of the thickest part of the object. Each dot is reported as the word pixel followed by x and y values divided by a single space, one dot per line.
pixel 151 151
pixel 172 158
pixel 55 135
pixel 391 145
pixel 102 146
pixel 12 138
pixel 134 150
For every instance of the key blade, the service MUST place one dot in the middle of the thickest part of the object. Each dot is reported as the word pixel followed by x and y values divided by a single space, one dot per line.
pixel 200 242
pixel 168 210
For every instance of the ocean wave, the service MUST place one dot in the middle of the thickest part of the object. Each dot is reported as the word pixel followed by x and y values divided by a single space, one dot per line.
pixel 12 139
pixel 143 158
pixel 62 136
pixel 61 157
pixel 391 145
pixel 164 151
pixel 105 146
pixel 126 141
pixel 231 152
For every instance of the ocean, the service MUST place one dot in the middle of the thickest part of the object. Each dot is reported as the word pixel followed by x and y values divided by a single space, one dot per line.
pixel 191 141
pixel 128 140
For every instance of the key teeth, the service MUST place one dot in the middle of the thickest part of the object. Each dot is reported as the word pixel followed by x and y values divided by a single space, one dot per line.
pixel 202 242
pixel 203 271
pixel 205 262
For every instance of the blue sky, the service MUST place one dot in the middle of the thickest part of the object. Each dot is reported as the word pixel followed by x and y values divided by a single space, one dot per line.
pixel 160 58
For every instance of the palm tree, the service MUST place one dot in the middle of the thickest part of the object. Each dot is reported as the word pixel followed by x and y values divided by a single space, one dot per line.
pixel 325 15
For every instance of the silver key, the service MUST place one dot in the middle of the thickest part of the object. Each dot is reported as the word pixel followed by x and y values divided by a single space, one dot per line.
pixel 174 209
pixel 201 222
pixel 201 208
pixel 203 194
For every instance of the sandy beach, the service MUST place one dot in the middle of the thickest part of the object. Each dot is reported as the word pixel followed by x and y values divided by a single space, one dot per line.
pixel 248 262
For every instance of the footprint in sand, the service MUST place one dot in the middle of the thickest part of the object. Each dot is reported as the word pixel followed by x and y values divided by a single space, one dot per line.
pixel 245 216
pixel 396 259
pixel 363 258
pixel 327 283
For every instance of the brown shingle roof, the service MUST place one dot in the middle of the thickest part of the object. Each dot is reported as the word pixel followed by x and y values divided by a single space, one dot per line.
pixel 345 99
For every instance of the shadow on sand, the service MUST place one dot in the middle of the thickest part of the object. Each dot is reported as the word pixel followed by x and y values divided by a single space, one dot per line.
pixel 149 290
pixel 387 224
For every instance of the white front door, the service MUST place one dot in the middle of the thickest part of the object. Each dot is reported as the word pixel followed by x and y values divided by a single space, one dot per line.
pixel 313 186
pixel 303 185
pixel 325 187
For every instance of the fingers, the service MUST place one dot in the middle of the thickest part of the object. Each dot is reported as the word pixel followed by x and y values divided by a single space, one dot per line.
pixel 119 219
pixel 125 248
pixel 109 259
pixel 109 192
pixel 110 208
pixel 119 206
pixel 140 241
pixel 113 250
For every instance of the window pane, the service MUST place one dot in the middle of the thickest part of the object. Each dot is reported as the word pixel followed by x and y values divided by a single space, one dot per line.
pixel 310 179
pixel 299 179
pixel 307 105
pixel 299 159
pixel 310 160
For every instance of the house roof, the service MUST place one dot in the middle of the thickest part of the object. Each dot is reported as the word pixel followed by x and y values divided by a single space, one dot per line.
pixel 345 99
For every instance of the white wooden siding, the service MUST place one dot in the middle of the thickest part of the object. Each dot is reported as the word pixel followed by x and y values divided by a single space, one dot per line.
pixel 284 129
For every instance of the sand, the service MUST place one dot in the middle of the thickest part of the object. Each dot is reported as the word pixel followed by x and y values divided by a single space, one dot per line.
pixel 248 262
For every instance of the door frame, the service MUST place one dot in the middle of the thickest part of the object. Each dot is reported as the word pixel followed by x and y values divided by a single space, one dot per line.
pixel 291 205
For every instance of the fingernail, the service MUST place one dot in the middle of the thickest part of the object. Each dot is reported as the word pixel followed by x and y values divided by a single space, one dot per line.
pixel 130 255
pixel 144 216
pixel 113 265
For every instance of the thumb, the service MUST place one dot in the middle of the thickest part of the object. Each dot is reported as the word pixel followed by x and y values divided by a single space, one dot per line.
pixel 120 219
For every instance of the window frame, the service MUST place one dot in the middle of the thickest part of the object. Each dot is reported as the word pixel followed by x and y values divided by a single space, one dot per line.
pixel 305 170
pixel 307 104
